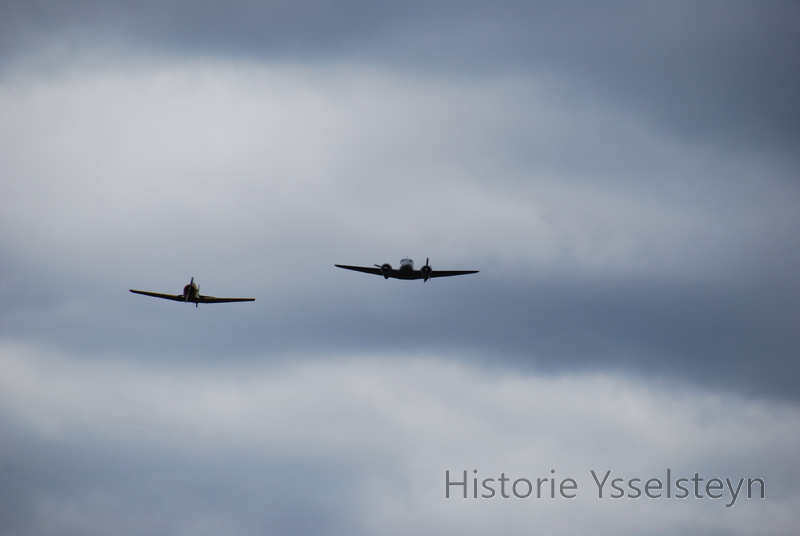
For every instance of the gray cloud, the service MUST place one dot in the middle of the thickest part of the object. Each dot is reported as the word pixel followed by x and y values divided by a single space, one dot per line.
pixel 353 445
pixel 624 176
pixel 719 70
pixel 257 180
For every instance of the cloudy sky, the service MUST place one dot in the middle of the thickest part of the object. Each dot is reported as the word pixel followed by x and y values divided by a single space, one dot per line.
pixel 625 176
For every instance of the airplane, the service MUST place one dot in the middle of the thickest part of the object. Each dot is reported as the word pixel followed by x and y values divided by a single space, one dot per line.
pixel 406 270
pixel 191 294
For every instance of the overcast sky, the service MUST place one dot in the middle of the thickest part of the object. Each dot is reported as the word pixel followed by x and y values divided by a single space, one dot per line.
pixel 625 176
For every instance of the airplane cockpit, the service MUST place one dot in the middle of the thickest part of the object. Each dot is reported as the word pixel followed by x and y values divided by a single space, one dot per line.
pixel 407 263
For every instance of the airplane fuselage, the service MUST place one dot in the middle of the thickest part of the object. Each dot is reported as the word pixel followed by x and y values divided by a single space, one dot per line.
pixel 406 270
pixel 190 292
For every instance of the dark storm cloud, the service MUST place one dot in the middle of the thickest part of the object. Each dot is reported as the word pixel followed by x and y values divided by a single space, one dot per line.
pixel 724 71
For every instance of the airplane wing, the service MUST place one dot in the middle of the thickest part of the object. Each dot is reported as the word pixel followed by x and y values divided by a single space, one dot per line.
pixel 448 273
pixel 365 269
pixel 211 299
pixel 175 297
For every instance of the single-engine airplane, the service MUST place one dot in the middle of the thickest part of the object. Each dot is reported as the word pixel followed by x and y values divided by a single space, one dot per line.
pixel 191 294
pixel 406 270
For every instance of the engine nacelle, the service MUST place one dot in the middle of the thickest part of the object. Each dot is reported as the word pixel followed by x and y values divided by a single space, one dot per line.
pixel 386 269
pixel 426 272
pixel 191 290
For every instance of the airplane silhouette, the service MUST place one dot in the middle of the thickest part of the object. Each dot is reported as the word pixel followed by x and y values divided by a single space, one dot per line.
pixel 191 294
pixel 406 270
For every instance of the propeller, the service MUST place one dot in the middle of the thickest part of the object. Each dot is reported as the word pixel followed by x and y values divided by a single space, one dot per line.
pixel 187 289
pixel 426 270
pixel 386 269
pixel 191 288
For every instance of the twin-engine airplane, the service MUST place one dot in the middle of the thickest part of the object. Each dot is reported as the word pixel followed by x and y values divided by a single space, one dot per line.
pixel 191 293
pixel 406 270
